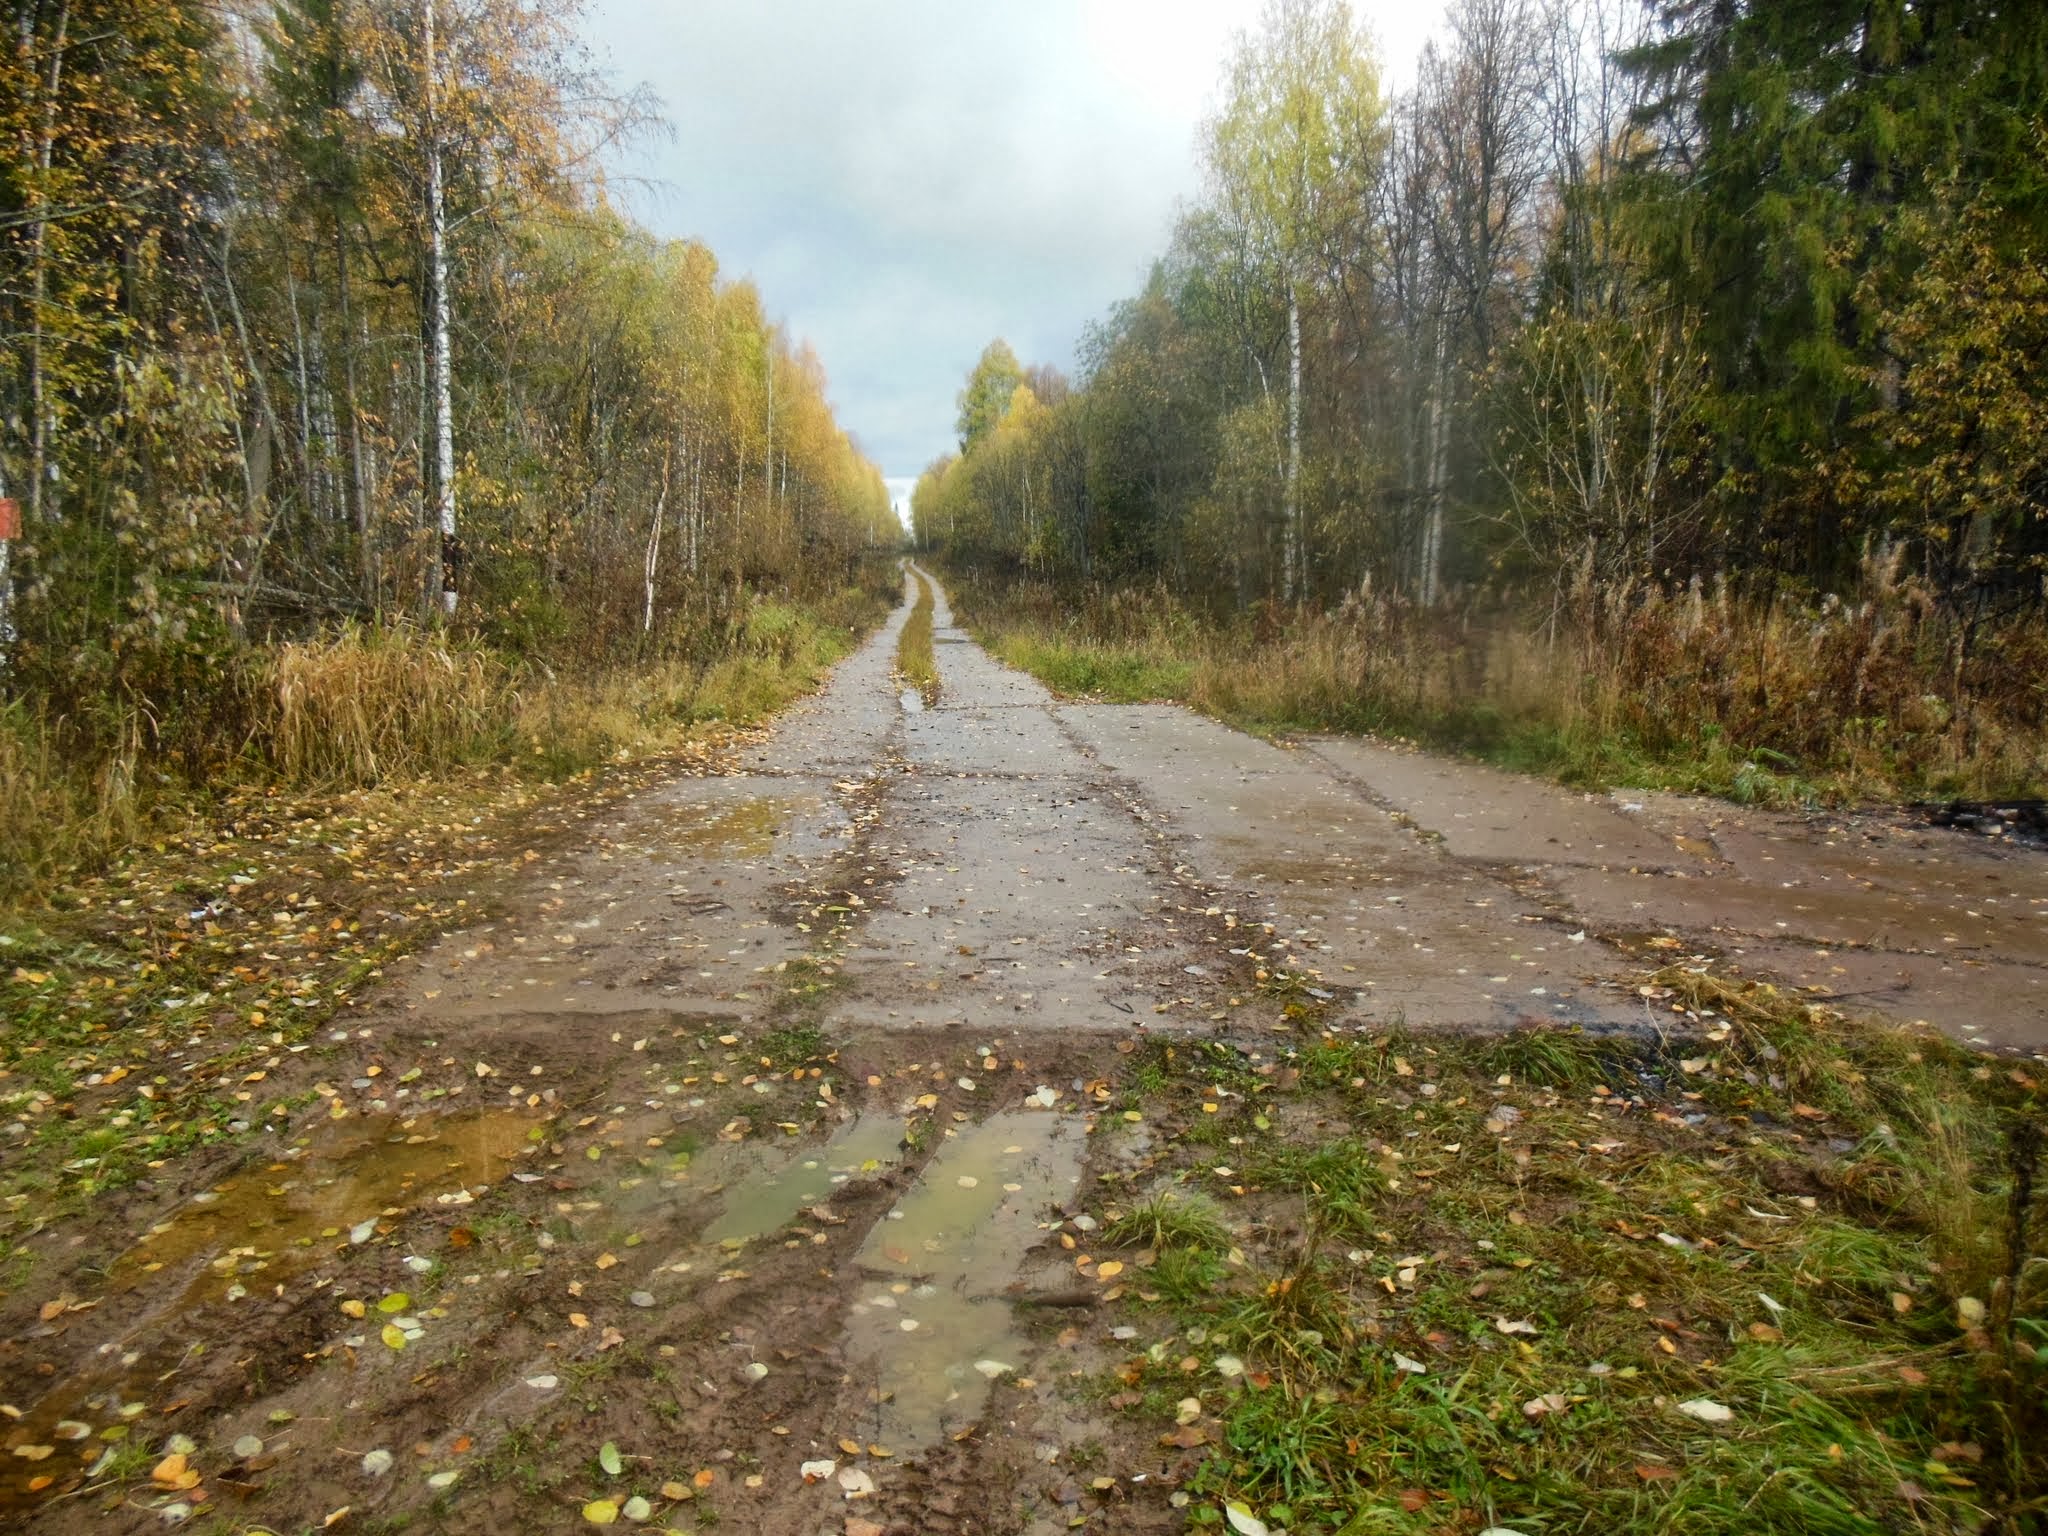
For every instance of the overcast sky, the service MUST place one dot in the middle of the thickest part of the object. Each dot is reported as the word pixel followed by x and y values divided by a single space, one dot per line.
pixel 907 179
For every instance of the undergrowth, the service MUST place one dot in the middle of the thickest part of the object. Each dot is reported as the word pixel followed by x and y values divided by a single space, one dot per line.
pixel 1704 693
pixel 358 707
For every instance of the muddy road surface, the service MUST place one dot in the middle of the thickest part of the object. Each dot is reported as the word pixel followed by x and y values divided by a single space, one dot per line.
pixel 734 1168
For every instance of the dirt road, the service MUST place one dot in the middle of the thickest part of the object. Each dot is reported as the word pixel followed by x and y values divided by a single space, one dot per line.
pixel 736 1167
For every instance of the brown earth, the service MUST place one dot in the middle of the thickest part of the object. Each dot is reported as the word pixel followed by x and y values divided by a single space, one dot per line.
pixel 758 1125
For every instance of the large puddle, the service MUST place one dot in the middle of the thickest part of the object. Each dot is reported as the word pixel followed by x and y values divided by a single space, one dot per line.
pixel 764 1200
pixel 932 1329
pixel 246 1235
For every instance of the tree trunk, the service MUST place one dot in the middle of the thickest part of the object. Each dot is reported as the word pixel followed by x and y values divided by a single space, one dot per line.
pixel 654 544
pixel 444 395
pixel 696 509
pixel 768 439
pixel 1291 557
pixel 39 283
pixel 739 485
pixel 1433 526
pixel 358 489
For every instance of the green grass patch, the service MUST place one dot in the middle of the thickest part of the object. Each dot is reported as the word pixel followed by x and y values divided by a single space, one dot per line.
pixel 1515 1281
pixel 1169 1220
pixel 1077 668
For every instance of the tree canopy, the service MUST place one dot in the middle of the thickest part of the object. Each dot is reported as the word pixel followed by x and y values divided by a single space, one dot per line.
pixel 232 237
pixel 1708 289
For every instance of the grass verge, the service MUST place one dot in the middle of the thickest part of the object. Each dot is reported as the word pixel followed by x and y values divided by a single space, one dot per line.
pixel 1773 706
pixel 359 707
pixel 916 665
pixel 1787 1274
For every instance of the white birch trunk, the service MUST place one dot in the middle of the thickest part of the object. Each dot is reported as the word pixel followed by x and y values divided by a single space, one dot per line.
pixel 444 396
pixel 1291 540
pixel 696 509
pixel 768 441
pixel 654 545
pixel 359 480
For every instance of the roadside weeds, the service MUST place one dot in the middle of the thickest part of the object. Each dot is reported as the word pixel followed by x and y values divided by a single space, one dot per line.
pixel 1770 708
pixel 1779 1270
pixel 916 664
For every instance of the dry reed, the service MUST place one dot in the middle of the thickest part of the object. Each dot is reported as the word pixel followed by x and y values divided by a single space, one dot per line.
pixel 1881 696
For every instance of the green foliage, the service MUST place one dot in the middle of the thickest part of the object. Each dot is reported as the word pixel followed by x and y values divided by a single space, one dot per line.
pixel 1728 306
pixel 1815 137
pixel 991 386
pixel 1967 352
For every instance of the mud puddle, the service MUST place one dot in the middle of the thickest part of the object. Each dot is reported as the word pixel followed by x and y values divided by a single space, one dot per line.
pixel 248 1235
pixel 764 1201
pixel 1263 863
pixel 266 1225
pixel 84 1421
pixel 739 829
pixel 931 1330
pixel 753 1189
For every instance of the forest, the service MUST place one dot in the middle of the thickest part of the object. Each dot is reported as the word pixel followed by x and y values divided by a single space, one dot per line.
pixel 1646 389
pixel 478 1055
pixel 346 424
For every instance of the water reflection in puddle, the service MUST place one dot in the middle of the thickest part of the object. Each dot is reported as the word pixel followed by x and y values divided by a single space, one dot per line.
pixel 267 1224
pixel 108 1404
pixel 254 1231
pixel 932 1327
pixel 764 1200
pixel 1322 874
pixel 739 828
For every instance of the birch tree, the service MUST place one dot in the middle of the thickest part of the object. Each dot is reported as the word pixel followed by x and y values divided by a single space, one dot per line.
pixel 1289 158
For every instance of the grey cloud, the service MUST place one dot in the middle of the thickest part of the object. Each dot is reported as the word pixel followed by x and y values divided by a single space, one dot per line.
pixel 906 179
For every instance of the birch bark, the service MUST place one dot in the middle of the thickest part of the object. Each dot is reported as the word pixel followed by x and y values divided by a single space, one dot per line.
pixel 444 396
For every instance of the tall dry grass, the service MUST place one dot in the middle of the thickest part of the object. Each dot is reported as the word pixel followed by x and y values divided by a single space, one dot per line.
pixel 363 706
pixel 1880 695
pixel 58 807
